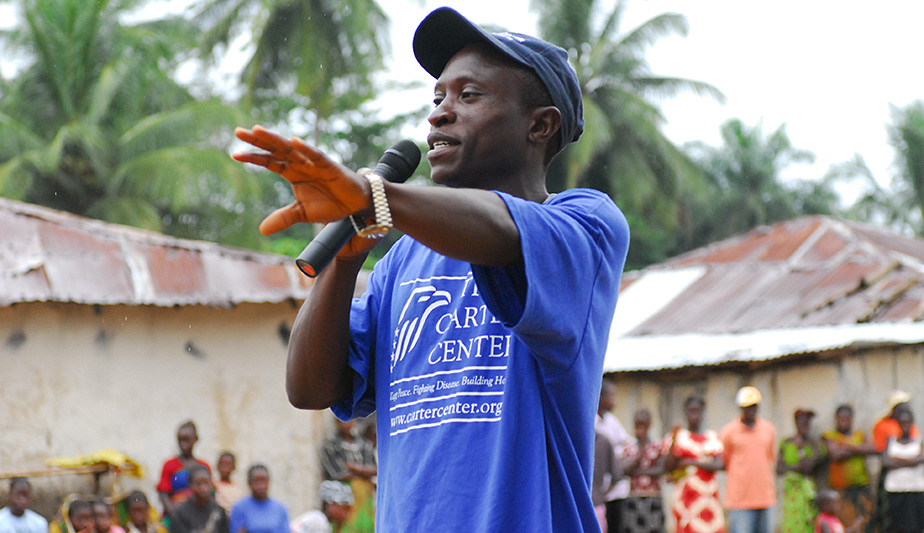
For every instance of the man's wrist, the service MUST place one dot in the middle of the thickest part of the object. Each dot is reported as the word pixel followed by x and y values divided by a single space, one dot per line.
pixel 381 220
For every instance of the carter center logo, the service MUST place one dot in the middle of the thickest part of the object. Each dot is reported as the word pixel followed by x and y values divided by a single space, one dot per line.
pixel 421 303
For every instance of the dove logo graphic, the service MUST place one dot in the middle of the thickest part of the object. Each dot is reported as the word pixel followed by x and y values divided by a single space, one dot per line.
pixel 413 319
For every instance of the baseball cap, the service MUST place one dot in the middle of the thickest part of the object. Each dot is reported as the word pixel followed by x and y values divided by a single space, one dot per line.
pixel 444 32
pixel 747 396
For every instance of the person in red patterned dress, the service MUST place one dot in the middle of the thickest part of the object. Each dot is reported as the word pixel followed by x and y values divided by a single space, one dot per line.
pixel 644 464
pixel 693 457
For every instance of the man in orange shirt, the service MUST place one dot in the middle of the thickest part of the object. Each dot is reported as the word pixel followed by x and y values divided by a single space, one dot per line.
pixel 750 459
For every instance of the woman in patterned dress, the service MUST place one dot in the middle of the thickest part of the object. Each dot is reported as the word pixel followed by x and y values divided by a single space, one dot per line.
pixel 799 458
pixel 693 458
pixel 643 511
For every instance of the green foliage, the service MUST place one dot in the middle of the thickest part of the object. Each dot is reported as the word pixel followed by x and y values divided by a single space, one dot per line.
pixel 623 151
pixel 906 135
pixel 745 189
pixel 94 124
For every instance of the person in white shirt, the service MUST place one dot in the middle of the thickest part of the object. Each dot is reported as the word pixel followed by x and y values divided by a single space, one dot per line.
pixel 17 517
pixel 612 429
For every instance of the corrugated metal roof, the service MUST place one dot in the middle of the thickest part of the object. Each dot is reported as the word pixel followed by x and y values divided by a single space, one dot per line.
pixel 807 285
pixel 49 255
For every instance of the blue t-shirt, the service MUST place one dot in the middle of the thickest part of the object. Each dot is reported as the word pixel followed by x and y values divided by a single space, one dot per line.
pixel 486 379
pixel 267 516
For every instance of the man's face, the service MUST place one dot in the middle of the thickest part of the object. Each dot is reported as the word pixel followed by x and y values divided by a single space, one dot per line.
pixel 20 498
pixel 844 421
pixel 479 129
pixel 259 484
pixel 749 413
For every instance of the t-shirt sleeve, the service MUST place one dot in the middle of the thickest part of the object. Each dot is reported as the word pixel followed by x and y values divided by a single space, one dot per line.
pixel 574 249
pixel 166 474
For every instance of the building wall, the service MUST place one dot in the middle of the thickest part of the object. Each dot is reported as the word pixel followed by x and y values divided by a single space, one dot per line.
pixel 78 378
pixel 863 378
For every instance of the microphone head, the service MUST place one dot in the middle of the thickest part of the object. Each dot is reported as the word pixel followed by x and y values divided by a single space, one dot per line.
pixel 399 162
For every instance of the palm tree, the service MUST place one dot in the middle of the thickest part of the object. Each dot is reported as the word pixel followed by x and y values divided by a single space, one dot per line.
pixel 316 55
pixel 623 151
pixel 94 124
pixel 747 191
pixel 906 135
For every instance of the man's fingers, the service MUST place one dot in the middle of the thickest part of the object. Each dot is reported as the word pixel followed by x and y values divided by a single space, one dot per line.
pixel 281 219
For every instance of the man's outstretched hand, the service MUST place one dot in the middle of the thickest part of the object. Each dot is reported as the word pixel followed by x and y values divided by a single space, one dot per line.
pixel 324 190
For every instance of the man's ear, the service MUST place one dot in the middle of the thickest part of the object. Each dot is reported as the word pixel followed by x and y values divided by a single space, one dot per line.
pixel 546 121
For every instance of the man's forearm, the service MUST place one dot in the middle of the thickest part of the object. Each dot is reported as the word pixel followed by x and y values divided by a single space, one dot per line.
pixel 317 373
pixel 470 225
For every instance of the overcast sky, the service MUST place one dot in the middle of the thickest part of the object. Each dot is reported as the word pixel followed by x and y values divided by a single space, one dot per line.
pixel 828 70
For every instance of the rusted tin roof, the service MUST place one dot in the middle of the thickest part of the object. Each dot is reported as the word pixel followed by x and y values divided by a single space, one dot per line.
pixel 807 285
pixel 49 255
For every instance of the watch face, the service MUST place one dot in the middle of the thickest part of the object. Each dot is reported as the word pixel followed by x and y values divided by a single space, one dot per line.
pixel 374 231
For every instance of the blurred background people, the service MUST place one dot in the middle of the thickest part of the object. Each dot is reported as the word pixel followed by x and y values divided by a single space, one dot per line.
pixel 903 460
pixel 610 426
pixel 643 510
pixel 227 492
pixel 750 458
pixel 798 459
pixel 259 513
pixel 693 458
pixel 174 487
pixel 848 449
pixel 17 517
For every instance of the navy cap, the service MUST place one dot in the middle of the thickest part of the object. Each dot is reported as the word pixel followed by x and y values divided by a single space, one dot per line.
pixel 444 32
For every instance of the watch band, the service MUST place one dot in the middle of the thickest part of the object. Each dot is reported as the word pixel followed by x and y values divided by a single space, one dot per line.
pixel 381 212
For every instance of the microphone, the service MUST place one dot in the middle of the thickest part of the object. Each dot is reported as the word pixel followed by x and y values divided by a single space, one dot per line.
pixel 396 166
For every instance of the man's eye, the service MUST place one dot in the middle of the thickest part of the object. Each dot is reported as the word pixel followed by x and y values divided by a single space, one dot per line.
pixel 437 101
pixel 468 94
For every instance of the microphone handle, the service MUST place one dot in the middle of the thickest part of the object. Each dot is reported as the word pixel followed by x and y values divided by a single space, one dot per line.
pixel 334 236
pixel 324 247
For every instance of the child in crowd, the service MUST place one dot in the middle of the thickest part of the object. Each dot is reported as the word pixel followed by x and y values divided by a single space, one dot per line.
pixel 643 463
pixel 81 517
pixel 199 513
pixel 336 504
pixel 227 492
pixel 141 516
pixel 17 517
pixel 102 514
pixel 259 513
pixel 173 488
pixel 829 506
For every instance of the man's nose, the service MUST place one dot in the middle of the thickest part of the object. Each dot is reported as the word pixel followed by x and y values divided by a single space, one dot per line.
pixel 444 113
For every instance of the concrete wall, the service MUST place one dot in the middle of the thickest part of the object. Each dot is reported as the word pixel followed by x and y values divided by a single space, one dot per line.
pixel 79 378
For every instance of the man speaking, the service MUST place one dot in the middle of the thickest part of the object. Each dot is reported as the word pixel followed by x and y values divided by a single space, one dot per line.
pixel 481 337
